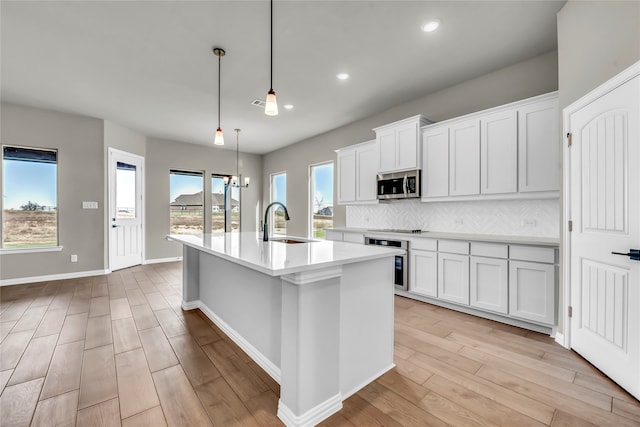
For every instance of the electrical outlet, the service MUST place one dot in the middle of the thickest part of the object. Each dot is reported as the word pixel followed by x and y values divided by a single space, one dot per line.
pixel 458 221
pixel 74 258
pixel 529 222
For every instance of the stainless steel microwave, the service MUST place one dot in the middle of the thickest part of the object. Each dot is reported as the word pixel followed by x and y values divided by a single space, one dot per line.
pixel 399 185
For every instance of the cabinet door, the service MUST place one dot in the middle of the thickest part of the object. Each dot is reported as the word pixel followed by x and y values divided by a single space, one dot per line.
pixel 423 272
pixel 532 291
pixel 464 158
pixel 499 153
pixel 453 278
pixel 387 150
pixel 346 176
pixel 407 146
pixel 538 147
pixel 435 162
pixel 366 164
pixel 489 287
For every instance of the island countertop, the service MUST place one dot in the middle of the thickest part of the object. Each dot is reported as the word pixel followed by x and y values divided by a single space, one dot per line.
pixel 277 258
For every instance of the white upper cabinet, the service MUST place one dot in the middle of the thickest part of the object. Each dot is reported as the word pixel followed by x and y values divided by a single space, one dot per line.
pixel 357 167
pixel 499 153
pixel 538 137
pixel 435 161
pixel 399 144
pixel 464 158
pixel 507 152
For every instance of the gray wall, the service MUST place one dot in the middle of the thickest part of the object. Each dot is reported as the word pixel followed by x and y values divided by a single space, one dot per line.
pixel 596 41
pixel 79 141
pixel 522 80
pixel 164 155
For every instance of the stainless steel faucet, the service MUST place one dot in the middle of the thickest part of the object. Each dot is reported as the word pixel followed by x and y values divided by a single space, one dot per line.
pixel 265 227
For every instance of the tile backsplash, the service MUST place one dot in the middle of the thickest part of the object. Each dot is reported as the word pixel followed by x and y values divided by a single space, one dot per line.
pixel 539 218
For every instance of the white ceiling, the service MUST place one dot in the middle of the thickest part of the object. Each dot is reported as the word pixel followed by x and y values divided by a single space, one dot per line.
pixel 148 65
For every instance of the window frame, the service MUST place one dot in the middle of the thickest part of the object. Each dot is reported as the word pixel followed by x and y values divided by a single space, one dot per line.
pixel 272 177
pixel 51 248
pixel 188 172
pixel 311 194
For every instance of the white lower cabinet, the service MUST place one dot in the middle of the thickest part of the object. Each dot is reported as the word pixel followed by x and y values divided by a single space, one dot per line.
pixel 423 272
pixel 489 287
pixel 453 278
pixel 333 235
pixel 532 291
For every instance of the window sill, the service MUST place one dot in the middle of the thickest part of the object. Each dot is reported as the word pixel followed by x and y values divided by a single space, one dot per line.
pixel 8 251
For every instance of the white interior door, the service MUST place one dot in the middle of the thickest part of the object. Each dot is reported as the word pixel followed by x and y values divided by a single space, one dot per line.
pixel 125 209
pixel 605 210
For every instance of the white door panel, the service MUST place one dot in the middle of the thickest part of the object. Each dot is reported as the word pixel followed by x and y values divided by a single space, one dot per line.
pixel 605 209
pixel 125 209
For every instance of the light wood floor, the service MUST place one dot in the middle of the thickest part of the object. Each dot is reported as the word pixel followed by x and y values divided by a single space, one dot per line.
pixel 118 350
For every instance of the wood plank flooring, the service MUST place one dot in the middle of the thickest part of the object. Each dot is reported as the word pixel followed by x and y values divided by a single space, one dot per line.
pixel 119 350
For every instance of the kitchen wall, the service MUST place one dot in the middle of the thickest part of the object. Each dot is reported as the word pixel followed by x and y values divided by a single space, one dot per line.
pixel 504 217
pixel 596 41
pixel 79 141
pixel 162 156
pixel 525 79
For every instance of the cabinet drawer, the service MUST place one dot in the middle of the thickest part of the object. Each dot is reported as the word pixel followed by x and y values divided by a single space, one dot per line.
pixel 533 253
pixel 491 250
pixel 424 244
pixel 454 246
pixel 353 238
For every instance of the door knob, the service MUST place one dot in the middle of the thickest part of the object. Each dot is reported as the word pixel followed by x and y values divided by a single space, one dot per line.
pixel 634 254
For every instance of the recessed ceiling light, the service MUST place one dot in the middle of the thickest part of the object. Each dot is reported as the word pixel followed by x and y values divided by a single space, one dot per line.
pixel 342 76
pixel 431 26
pixel 288 107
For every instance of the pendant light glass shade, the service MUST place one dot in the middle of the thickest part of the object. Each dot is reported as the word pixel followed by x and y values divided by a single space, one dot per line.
pixel 271 109
pixel 219 140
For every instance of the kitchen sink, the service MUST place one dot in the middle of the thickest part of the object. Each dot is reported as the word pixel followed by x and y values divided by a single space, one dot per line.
pixel 290 241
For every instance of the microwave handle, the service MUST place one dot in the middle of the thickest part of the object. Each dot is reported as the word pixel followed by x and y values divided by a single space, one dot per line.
pixel 405 185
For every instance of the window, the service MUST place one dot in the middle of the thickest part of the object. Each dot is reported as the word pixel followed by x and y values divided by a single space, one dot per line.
pixel 29 197
pixel 278 194
pixel 186 202
pixel 225 205
pixel 321 194
pixel 125 190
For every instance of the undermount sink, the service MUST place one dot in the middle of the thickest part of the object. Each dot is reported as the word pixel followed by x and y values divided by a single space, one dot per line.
pixel 290 241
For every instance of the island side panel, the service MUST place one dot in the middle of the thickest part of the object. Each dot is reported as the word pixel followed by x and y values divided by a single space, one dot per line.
pixel 190 277
pixel 366 332
pixel 249 302
pixel 310 387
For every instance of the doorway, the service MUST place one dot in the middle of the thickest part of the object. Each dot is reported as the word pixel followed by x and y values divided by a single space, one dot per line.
pixel 125 221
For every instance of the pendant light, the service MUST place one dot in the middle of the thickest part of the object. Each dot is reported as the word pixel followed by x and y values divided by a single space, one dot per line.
pixel 271 107
pixel 236 180
pixel 219 140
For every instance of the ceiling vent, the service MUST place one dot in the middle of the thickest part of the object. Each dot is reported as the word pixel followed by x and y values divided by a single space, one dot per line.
pixel 258 103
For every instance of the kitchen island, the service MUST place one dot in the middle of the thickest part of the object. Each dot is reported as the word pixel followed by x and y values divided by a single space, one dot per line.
pixel 315 315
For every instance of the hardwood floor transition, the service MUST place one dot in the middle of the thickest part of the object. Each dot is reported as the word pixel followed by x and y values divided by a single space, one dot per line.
pixel 119 350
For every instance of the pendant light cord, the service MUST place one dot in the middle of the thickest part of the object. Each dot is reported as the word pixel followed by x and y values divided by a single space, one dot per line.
pixel 219 59
pixel 237 154
pixel 271 77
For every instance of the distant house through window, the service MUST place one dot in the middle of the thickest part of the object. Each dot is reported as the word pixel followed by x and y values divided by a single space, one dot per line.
pixel 29 197
pixel 225 205
pixel 186 205
pixel 278 194
pixel 321 195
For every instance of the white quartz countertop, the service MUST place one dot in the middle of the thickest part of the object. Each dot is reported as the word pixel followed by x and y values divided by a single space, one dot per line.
pixel 523 240
pixel 277 258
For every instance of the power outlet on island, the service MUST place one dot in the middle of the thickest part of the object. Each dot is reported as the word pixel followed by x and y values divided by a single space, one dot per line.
pixel 74 258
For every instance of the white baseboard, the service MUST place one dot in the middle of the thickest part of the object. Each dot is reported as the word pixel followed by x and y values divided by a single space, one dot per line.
pixel 348 394
pixel 313 416
pixel 269 367
pixel 161 260
pixel 51 277
pixel 561 339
